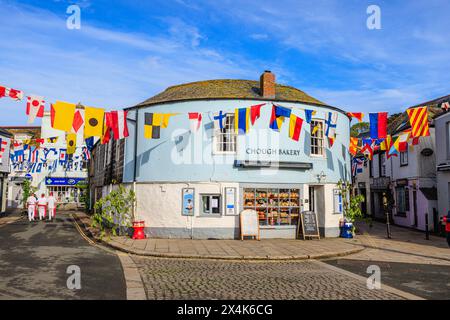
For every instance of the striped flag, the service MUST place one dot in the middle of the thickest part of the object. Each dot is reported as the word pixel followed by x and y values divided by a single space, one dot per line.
pixel 241 120
pixel 356 115
pixel 418 118
pixel 117 122
pixel 378 125
pixel 295 127
pixel 33 155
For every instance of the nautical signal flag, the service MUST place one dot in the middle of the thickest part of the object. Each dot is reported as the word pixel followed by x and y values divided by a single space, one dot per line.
pixel 367 148
pixel 255 113
pixel 12 93
pixel 356 115
pixel 295 127
pixel 152 125
pixel 353 148
pixel 117 122
pixel 241 120
pixel 61 115
pixel 62 156
pixel 277 117
pixel 165 119
pixel 195 119
pixel 445 106
pixel 309 114
pixel 78 121
pixel 93 122
pixel 418 118
pixel 52 140
pixel 378 125
pixel 35 108
pixel 330 129
pixel 219 119
pixel 71 142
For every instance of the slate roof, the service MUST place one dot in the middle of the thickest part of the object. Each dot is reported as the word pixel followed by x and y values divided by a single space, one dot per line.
pixel 228 89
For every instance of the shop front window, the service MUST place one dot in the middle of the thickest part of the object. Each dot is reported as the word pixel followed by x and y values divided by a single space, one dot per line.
pixel 275 207
pixel 66 194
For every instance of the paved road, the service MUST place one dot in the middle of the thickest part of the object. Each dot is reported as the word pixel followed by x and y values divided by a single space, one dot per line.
pixel 34 260
pixel 209 279
pixel 427 280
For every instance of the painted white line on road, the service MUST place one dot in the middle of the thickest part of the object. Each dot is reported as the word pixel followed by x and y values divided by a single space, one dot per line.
pixel 384 287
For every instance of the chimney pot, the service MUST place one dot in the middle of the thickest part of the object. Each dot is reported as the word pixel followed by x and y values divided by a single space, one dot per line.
pixel 267 84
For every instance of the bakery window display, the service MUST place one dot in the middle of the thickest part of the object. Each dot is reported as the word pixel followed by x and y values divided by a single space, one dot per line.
pixel 275 207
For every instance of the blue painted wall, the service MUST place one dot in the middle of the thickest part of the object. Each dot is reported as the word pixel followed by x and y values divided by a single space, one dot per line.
pixel 180 156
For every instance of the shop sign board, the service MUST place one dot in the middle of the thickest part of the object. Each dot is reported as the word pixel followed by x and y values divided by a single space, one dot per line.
pixel 309 225
pixel 230 201
pixel 249 224
pixel 187 208
pixel 51 181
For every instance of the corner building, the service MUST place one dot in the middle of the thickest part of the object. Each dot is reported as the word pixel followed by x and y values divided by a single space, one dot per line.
pixel 194 183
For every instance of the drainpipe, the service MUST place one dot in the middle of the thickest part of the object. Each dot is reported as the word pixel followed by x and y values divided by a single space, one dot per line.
pixel 135 214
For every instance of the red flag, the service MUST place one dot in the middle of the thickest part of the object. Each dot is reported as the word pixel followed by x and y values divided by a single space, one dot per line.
pixel 195 119
pixel 77 121
pixel 117 122
pixel 2 91
pixel 357 115
pixel 255 113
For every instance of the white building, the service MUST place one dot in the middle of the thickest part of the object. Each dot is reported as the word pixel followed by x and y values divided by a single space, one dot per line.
pixel 442 126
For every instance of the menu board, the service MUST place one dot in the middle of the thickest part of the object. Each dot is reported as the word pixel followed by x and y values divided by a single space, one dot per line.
pixel 309 224
pixel 249 224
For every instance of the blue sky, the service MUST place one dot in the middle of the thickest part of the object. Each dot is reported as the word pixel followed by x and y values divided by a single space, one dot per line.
pixel 127 51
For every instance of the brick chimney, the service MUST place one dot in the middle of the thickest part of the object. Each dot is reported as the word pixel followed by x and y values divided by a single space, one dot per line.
pixel 267 84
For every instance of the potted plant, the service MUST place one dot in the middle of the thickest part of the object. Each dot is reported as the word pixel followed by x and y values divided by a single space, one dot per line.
pixel 114 212
pixel 352 212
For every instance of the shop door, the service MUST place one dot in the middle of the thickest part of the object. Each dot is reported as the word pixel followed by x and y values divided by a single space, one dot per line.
pixel 312 199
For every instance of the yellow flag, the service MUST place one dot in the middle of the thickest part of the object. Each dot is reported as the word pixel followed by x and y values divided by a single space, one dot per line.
pixel 165 119
pixel 61 114
pixel 71 141
pixel 93 123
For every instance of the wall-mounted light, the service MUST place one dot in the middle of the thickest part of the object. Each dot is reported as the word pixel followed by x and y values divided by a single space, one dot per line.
pixel 321 176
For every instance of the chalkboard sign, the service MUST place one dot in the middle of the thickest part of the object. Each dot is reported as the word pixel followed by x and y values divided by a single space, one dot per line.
pixel 309 224
pixel 249 224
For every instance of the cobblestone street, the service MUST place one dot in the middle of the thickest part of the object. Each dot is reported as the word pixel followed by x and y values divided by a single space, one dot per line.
pixel 208 279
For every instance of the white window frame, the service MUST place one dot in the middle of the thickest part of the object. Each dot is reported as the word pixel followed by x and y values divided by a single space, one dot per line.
pixel 210 214
pixel 229 131
pixel 322 155
pixel 404 158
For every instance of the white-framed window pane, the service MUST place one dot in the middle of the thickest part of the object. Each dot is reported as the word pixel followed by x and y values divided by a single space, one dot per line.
pixel 226 137
pixel 317 139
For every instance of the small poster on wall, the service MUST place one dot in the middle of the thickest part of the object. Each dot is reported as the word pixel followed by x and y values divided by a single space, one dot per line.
pixel 230 201
pixel 188 202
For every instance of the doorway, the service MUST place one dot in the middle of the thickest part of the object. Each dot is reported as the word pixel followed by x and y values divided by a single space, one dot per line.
pixel 415 207
pixel 312 198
